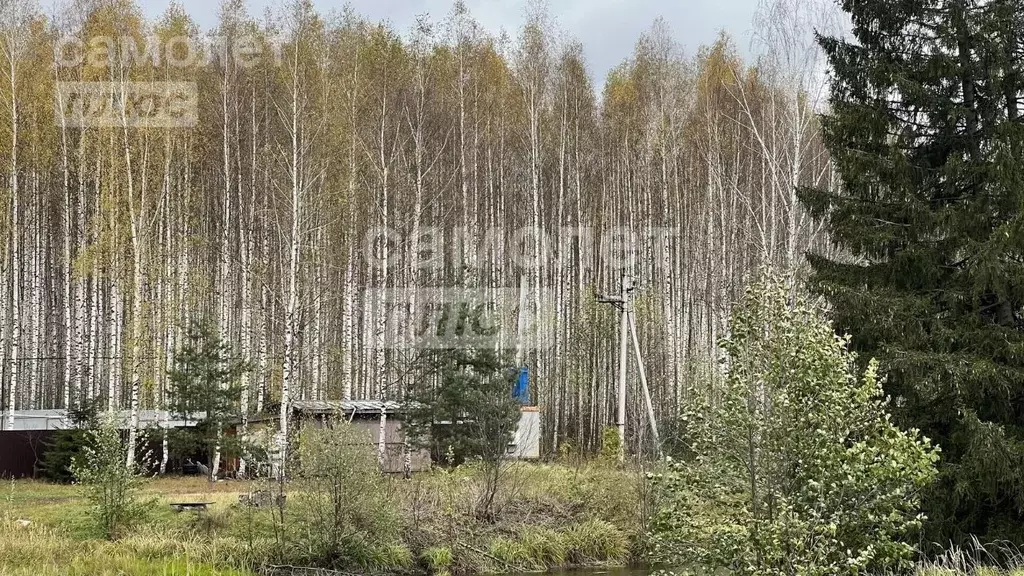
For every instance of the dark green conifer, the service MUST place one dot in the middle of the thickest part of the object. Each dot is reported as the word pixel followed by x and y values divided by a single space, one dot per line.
pixel 924 128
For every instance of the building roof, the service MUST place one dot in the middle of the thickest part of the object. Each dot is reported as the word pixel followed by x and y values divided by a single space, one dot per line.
pixel 57 419
pixel 345 406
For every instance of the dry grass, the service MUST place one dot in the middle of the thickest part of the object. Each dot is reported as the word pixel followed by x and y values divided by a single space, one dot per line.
pixel 976 559
pixel 172 485
pixel 44 531
pixel 39 550
pixel 547 516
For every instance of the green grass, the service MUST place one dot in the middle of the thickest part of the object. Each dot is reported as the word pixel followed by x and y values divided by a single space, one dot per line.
pixel 546 516
pixel 120 566
pixel 38 550
pixel 438 559
pixel 595 541
pixel 45 529
pixel 590 543
pixel 513 555
pixel 544 546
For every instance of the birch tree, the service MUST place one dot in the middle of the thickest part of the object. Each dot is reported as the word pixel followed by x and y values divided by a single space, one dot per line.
pixel 14 46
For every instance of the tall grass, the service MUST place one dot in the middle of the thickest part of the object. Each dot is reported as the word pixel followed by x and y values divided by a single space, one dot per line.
pixel 975 559
pixel 513 555
pixel 438 559
pixel 545 546
pixel 552 516
pixel 595 541
pixel 36 550
pixel 592 542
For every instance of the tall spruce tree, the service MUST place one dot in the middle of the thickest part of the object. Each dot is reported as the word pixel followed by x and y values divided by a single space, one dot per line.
pixel 469 411
pixel 204 382
pixel 925 130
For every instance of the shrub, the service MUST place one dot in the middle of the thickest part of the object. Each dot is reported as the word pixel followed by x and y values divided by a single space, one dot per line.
pixel 799 469
pixel 112 483
pixel 611 444
pixel 343 498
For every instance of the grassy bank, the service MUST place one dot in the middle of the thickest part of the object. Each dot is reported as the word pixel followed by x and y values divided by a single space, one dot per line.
pixel 45 529
pixel 543 517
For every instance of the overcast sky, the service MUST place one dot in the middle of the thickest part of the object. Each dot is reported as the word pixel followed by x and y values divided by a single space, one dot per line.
pixel 608 29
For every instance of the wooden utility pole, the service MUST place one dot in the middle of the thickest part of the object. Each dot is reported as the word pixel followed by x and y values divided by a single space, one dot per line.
pixel 627 331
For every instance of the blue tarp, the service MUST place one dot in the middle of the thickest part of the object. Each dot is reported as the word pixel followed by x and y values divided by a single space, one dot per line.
pixel 522 390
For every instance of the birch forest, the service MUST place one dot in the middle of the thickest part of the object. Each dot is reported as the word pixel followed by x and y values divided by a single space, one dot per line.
pixel 256 218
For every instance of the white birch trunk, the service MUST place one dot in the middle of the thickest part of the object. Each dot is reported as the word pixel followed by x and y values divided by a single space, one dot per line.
pixel 291 294
pixel 138 215
pixel 15 344
pixel 69 334
pixel 347 319
pixel 35 302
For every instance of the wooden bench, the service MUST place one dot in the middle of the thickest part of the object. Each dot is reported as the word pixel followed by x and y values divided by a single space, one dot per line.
pixel 180 506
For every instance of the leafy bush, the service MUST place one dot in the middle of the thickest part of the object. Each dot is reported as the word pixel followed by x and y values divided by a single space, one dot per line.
pixel 798 468
pixel 343 499
pixel 112 483
pixel 611 444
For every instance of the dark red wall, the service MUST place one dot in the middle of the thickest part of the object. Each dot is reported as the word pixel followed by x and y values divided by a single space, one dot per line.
pixel 21 451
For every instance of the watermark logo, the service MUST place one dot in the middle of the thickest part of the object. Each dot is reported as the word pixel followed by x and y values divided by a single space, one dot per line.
pixel 435 249
pixel 128 104
pixel 442 318
pixel 244 51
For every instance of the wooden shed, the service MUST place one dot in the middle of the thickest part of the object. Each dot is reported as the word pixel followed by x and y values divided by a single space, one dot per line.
pixel 366 415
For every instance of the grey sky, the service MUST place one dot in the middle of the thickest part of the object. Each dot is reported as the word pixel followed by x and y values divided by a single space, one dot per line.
pixel 608 29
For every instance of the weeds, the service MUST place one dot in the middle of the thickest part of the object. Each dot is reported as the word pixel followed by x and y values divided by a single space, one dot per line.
pixel 513 554
pixel 976 559
pixel 551 516
pixel 438 559
pixel 596 541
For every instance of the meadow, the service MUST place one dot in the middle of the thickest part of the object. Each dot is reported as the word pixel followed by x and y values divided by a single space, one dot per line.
pixel 546 517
